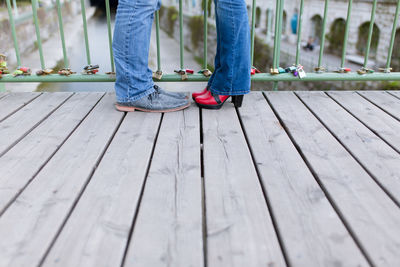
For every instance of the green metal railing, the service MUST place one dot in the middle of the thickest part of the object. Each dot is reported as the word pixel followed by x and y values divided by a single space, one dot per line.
pixel 320 73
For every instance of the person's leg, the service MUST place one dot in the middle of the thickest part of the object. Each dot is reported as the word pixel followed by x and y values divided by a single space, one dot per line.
pixel 232 75
pixel 134 85
pixel 131 43
pixel 217 63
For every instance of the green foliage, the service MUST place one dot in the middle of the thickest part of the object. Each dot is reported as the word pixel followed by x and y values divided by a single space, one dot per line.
pixel 196 30
pixel 172 18
pixel 395 85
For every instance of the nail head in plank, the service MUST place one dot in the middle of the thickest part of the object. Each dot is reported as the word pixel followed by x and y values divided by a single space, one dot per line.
pixel 239 227
pixel 311 231
pixel 368 212
pixel 19 165
pixel 28 227
pixel 168 229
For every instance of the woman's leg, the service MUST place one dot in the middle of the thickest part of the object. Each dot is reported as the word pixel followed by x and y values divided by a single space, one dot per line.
pixel 131 43
pixel 232 74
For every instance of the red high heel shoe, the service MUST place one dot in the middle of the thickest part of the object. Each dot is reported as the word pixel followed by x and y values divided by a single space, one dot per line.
pixel 213 101
pixel 201 93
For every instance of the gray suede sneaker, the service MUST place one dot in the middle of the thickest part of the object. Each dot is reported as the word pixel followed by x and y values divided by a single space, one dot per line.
pixel 155 102
pixel 172 94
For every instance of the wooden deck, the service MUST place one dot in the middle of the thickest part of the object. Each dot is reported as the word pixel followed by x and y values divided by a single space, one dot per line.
pixel 290 179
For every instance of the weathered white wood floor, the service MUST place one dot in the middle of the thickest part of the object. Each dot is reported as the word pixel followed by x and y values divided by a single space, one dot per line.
pixel 290 179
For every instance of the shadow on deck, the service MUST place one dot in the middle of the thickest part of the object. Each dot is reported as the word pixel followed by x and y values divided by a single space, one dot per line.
pixel 290 179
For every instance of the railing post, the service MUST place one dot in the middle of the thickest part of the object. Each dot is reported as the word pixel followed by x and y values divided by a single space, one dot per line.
pixel 205 26
pixel 61 27
pixel 85 31
pixel 299 26
pixel 371 30
pixel 158 41
pixel 14 33
pixel 346 33
pixel 321 51
pixel 393 36
pixel 39 40
pixel 110 35
pixel 253 26
pixel 181 34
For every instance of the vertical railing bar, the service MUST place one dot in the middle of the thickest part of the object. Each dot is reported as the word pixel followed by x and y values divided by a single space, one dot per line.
pixel 321 51
pixel 299 27
pixel 274 64
pixel 181 33
pixel 85 31
pixel 371 30
pixel 393 36
pixel 15 8
pixel 280 32
pixel 110 34
pixel 13 32
pixel 39 40
pixel 61 27
pixel 253 26
pixel 158 41
pixel 205 26
pixel 346 33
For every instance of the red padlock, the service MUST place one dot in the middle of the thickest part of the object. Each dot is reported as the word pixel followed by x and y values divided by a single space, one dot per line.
pixel 253 71
pixel 190 71
pixel 95 71
pixel 347 69
pixel 24 69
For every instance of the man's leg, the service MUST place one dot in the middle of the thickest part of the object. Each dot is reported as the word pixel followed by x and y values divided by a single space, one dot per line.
pixel 232 76
pixel 131 44
pixel 134 86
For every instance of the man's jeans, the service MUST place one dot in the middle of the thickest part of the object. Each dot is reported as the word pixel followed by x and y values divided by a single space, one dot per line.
pixel 132 41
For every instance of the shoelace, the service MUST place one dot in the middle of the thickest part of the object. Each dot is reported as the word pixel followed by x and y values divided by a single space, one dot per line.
pixel 155 94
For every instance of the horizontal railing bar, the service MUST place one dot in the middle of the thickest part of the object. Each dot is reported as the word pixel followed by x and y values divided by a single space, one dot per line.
pixel 261 77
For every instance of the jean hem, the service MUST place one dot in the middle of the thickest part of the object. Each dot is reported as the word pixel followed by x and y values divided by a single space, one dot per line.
pixel 136 97
pixel 233 92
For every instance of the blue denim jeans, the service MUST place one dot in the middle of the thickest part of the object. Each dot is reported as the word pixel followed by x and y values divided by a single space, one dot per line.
pixel 131 44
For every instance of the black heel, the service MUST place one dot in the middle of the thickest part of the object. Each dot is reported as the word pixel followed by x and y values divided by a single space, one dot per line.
pixel 237 100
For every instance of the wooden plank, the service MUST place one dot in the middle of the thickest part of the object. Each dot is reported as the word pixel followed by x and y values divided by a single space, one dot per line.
pixel 385 101
pixel 97 232
pixel 19 165
pixel 27 118
pixel 394 93
pixel 311 231
pixel 384 125
pixel 168 229
pixel 372 217
pixel 12 102
pixel 29 225
pixel 240 231
pixel 372 153
pixel 3 94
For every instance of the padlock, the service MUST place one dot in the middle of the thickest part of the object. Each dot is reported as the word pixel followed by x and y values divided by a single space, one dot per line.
pixel 18 73
pixel 254 70
pixel 385 70
pixel 44 72
pixel 302 73
pixel 281 70
pixel 319 69
pixel 66 72
pixel 157 75
pixel 290 69
pixel 274 71
pixel 189 71
pixel 206 72
pixel 182 73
